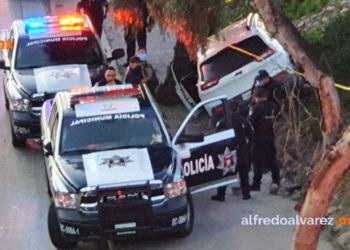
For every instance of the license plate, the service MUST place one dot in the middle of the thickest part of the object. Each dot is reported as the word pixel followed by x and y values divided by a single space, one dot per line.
pixel 125 225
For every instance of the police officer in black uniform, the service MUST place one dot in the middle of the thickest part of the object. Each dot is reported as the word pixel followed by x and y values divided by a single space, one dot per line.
pixel 270 86
pixel 96 10
pixel 262 116
pixel 243 134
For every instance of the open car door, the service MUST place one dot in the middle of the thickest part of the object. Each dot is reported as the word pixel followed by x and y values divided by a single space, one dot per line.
pixel 208 156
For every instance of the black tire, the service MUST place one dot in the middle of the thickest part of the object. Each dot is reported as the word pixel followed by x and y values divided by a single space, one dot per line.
pixel 16 142
pixel 187 228
pixel 7 104
pixel 55 232
pixel 48 185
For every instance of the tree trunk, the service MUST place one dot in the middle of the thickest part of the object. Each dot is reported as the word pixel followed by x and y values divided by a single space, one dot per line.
pixel 281 28
pixel 334 160
pixel 329 171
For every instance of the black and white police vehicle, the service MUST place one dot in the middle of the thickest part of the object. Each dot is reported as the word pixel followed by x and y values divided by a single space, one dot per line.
pixel 46 55
pixel 113 170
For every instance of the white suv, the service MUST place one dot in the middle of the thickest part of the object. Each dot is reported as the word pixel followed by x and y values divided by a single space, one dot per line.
pixel 223 70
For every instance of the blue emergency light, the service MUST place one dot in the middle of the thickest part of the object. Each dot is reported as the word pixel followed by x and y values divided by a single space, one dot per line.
pixel 35 25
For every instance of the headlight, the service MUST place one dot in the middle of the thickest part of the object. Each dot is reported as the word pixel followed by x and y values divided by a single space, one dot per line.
pixel 66 200
pixel 16 100
pixel 175 189
pixel 19 104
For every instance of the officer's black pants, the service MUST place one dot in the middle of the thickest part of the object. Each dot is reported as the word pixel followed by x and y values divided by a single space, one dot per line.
pixel 131 43
pixel 243 172
pixel 264 156
pixel 97 21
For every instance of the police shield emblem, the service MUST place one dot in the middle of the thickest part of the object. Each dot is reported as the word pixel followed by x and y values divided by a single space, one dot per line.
pixel 228 161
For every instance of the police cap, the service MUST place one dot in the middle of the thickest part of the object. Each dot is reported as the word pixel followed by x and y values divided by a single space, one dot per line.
pixel 261 75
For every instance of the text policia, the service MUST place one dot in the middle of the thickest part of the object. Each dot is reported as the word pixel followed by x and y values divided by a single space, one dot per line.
pixel 297 220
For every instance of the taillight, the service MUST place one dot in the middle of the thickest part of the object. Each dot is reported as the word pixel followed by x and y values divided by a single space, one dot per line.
pixel 281 76
pixel 208 84
pixel 218 109
pixel 269 52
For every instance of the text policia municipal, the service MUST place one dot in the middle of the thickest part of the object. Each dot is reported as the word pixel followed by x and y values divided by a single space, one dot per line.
pixel 277 220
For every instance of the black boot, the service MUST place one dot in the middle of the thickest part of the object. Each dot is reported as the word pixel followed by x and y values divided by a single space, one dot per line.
pixel 218 198
pixel 246 196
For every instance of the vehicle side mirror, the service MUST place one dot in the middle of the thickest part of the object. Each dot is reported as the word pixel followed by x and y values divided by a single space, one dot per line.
pixel 47 147
pixel 183 138
pixel 3 65
pixel 117 54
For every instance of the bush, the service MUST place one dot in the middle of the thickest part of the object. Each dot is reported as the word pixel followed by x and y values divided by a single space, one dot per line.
pixel 332 44
pixel 294 9
pixel 297 9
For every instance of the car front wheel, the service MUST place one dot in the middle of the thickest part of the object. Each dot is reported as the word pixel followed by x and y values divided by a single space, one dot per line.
pixel 55 231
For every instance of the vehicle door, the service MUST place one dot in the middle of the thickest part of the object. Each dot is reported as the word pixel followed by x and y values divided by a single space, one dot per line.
pixel 50 132
pixel 208 156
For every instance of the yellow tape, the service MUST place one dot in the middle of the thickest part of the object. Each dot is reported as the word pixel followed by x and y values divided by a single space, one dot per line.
pixel 291 71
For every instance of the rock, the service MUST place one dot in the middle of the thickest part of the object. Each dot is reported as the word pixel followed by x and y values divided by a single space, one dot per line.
pixel 317 23
pixel 344 239
pixel 274 188
pixel 325 19
pixel 330 8
pixel 331 210
pixel 295 196
pixel 300 24
pixel 344 2
pixel 338 228
pixel 343 11
pixel 291 188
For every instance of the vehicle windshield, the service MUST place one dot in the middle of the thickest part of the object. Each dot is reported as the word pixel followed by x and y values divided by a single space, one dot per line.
pixel 105 132
pixel 35 53
pixel 229 60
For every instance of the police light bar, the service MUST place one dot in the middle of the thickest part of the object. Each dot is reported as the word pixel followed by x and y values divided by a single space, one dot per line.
pixel 92 94
pixel 44 24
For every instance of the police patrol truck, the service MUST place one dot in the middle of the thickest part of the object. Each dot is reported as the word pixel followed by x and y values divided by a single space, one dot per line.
pixel 47 55
pixel 114 172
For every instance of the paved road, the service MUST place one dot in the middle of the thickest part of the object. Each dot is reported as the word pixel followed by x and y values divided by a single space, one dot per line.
pixel 24 202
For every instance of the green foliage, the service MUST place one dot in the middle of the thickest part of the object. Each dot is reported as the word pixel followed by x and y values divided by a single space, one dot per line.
pixel 235 11
pixel 314 37
pixel 296 9
pixel 312 106
pixel 332 44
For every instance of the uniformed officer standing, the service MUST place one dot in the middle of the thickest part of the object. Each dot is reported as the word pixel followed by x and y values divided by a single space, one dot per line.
pixel 96 10
pixel 243 134
pixel 262 116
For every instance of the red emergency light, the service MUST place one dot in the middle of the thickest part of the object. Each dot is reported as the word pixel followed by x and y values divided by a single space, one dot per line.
pixel 71 23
